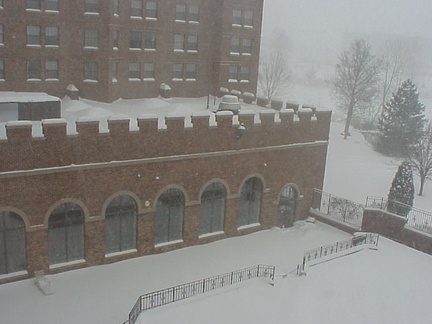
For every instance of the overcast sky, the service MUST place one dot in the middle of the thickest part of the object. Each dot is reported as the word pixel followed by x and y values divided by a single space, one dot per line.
pixel 316 28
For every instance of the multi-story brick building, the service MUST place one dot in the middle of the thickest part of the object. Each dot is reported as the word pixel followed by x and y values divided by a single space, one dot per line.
pixel 112 49
pixel 71 201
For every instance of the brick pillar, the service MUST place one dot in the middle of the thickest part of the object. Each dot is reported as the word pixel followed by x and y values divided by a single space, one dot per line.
pixel 94 242
pixel 145 233
pixel 191 225
pixel 231 214
pixel 37 251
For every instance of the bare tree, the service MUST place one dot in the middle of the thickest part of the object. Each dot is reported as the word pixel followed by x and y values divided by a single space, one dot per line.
pixel 356 80
pixel 420 157
pixel 274 73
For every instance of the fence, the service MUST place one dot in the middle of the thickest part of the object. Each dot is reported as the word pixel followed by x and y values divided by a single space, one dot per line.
pixel 173 294
pixel 338 208
pixel 333 248
pixel 416 218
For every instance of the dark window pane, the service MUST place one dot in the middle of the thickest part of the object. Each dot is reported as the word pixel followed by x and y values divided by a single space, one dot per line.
pixel 250 202
pixel 169 216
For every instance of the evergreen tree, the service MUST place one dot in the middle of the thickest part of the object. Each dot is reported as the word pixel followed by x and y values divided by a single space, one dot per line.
pixel 402 120
pixel 401 195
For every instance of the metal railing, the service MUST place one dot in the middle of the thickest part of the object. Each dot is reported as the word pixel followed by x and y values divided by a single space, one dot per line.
pixel 333 248
pixel 338 208
pixel 173 294
pixel 416 218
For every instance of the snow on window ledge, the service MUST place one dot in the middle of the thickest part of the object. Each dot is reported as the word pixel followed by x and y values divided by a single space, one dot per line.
pixel 34 80
pixel 115 48
pixel 32 10
pixel 178 50
pixel 191 80
pixel 92 48
pixel 51 79
pixel 134 79
pixel 236 25
pixel 135 49
pixel 180 21
pixel 52 46
pixel 91 13
pixel 151 18
pixel 248 26
pixel 67 264
pixel 52 11
pixel 114 80
pixel 34 45
pixel 149 49
pixel 136 17
pixel 116 15
pixel 13 274
pixel 232 80
pixel 192 51
pixel 246 54
pixel 234 53
pixel 90 81
pixel 193 22
pixel 2 80
pixel 211 234
pixel 149 79
pixel 244 81
pixel 248 226
pixel 114 254
pixel 168 243
pixel 177 79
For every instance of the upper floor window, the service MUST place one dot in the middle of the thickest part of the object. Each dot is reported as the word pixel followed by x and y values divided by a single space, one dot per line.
pixel 178 42
pixel 193 13
pixel 237 17
pixel 115 39
pixel 134 71
pixel 180 13
pixel 248 18
pixel 34 4
pixel 177 72
pixel 169 216
pixel 91 6
pixel 34 69
pixel 246 46
pixel 135 39
pixel 51 5
pixel 51 70
pixel 244 73
pixel 2 70
pixel 213 201
pixel 90 71
pixel 116 7
pixel 1 34
pixel 136 8
pixel 192 42
pixel 151 9
pixel 150 41
pixel 12 242
pixel 233 73
pixel 235 44
pixel 1 4
pixel 244 18
pixel 51 36
pixel 114 72
pixel 33 35
pixel 191 71
pixel 149 71
pixel 91 37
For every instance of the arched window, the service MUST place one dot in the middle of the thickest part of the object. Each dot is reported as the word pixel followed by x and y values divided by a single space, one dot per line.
pixel 66 234
pixel 169 216
pixel 287 206
pixel 250 202
pixel 12 243
pixel 212 208
pixel 120 224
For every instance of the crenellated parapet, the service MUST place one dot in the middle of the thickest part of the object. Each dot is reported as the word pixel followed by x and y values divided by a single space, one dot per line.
pixel 207 133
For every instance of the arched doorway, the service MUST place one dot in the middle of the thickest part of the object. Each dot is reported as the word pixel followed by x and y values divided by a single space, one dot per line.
pixel 287 206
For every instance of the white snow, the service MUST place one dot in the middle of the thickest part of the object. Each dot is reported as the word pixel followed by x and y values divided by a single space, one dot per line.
pixel 11 96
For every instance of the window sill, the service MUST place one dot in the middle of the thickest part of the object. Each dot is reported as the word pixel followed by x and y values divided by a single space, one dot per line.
pixel 246 54
pixel 114 80
pixel 52 80
pixel 177 80
pixel 194 22
pixel 114 254
pixel 151 18
pixel 52 46
pixel 116 15
pixel 136 17
pixel 236 25
pixel 90 81
pixel 178 50
pixel 191 80
pixel 248 26
pixel 149 49
pixel 244 81
pixel 52 11
pixel 211 234
pixel 232 81
pixel 192 51
pixel 34 80
pixel 135 49
pixel 180 21
pixel 134 79
pixel 149 79
pixel 91 13
pixel 67 264
pixel 91 48
pixel 168 243
pixel 32 10
pixel 115 48
pixel 33 46
pixel 13 274
pixel 2 80
pixel 248 226
pixel 235 53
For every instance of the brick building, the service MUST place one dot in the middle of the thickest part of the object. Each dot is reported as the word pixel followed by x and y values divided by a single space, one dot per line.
pixel 112 49
pixel 72 201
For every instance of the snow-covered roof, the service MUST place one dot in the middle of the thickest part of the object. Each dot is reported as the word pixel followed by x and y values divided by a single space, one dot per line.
pixel 12 97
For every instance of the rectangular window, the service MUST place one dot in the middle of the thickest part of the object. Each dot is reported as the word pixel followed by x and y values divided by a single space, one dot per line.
pixel 136 8
pixel 237 17
pixel 33 4
pixel 244 73
pixel 177 71
pixel 51 70
pixel 151 9
pixel 2 70
pixel 51 36
pixel 1 34
pixel 180 13
pixel 194 13
pixel 233 71
pixel 1 3
pixel 91 6
pixel 34 69
pixel 149 70
pixel 134 71
pixel 190 71
pixel 248 18
pixel 246 46
pixel 116 8
pixel 115 39
pixel 192 42
pixel 33 35
pixel 51 5
pixel 235 44
pixel 178 42
pixel 90 71
pixel 114 72
pixel 91 37
pixel 150 40
pixel 135 39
